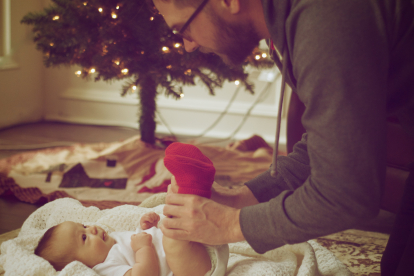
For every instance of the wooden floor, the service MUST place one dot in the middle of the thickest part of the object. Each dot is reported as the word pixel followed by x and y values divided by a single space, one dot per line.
pixel 21 138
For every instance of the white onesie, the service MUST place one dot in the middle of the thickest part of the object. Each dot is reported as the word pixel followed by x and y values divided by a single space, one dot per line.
pixel 121 257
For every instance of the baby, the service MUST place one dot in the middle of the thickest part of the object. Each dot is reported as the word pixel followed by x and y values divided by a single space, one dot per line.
pixel 148 251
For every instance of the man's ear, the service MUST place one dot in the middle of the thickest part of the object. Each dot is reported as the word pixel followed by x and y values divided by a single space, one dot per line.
pixel 233 6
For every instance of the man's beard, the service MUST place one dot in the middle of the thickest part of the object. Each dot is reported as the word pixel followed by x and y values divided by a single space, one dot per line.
pixel 233 43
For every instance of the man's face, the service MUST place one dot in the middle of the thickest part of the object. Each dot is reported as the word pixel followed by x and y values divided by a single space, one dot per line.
pixel 210 33
pixel 87 244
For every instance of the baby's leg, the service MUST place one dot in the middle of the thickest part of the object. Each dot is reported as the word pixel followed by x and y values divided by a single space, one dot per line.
pixel 186 258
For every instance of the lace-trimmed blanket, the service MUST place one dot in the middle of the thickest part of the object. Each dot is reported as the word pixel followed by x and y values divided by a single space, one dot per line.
pixel 17 256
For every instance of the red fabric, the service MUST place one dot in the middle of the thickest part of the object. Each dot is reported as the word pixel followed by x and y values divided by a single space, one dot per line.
pixel 193 171
pixel 149 175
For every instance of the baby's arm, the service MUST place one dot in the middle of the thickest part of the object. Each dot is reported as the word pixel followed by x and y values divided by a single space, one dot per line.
pixel 146 259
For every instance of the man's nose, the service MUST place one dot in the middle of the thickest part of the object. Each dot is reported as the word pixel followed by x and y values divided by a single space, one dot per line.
pixel 190 46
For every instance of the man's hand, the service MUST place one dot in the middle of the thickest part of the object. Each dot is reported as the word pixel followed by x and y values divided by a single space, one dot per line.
pixel 198 219
pixel 236 198
pixel 149 220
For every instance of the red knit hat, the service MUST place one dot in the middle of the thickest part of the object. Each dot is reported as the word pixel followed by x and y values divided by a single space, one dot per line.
pixel 193 171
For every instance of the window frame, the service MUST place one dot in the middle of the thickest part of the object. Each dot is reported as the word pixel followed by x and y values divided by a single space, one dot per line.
pixel 6 59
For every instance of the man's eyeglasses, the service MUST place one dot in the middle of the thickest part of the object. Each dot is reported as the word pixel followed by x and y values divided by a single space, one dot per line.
pixel 184 27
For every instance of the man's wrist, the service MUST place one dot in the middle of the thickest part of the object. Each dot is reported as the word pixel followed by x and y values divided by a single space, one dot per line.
pixel 244 198
pixel 237 233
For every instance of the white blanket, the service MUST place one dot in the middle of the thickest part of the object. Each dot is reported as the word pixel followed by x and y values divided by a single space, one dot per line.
pixel 17 256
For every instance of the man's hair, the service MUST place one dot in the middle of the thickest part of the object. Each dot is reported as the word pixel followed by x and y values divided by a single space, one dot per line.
pixel 48 251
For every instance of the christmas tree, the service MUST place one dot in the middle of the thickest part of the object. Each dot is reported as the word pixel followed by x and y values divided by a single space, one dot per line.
pixel 121 39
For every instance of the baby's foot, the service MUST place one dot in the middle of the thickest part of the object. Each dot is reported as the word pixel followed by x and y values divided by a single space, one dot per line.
pixel 193 171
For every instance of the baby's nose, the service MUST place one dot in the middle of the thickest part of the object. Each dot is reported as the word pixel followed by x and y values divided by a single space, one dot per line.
pixel 93 229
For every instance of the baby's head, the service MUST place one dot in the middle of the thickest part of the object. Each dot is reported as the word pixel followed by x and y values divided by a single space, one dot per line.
pixel 70 241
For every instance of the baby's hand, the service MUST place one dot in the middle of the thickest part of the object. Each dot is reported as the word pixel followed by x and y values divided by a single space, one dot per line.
pixel 149 220
pixel 140 240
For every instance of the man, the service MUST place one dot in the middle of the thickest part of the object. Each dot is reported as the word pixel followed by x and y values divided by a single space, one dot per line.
pixel 351 63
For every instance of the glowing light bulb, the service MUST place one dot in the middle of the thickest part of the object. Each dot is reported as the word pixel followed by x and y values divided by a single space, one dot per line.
pixel 134 87
pixel 78 73
pixel 182 95
pixel 116 62
pixel 257 57
pixel 85 3
pixel 52 44
pixel 114 15
pixel 124 71
pixel 100 10
pixel 237 82
pixel 264 55
pixel 117 7
pixel 177 45
pixel 168 66
pixel 92 70
pixel 151 18
pixel 56 17
pixel 165 49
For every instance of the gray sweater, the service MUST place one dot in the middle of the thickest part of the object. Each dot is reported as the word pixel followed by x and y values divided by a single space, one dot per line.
pixel 351 63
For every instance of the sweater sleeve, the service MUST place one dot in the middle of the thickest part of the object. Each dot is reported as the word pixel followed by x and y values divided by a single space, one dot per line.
pixel 293 170
pixel 339 56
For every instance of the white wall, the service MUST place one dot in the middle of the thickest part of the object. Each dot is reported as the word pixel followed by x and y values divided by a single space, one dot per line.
pixel 21 72
pixel 72 99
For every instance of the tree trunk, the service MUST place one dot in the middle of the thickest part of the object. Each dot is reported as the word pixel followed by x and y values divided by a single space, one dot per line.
pixel 148 95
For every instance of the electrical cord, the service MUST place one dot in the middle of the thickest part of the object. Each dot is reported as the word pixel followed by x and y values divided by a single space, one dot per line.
pixel 262 96
pixel 224 112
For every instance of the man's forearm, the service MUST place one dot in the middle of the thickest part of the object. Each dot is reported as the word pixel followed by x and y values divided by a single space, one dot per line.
pixel 236 198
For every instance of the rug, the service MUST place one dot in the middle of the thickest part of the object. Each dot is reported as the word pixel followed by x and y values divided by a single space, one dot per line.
pixel 116 173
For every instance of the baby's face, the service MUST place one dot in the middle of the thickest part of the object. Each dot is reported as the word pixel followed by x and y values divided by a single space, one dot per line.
pixel 87 244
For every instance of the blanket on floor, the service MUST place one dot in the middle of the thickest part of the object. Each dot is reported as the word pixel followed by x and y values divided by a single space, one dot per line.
pixel 127 171
pixel 17 256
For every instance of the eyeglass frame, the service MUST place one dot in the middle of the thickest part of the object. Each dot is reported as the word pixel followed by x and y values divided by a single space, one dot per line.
pixel 186 24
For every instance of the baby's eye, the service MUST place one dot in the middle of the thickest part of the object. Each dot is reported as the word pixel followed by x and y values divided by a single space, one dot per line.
pixel 84 237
